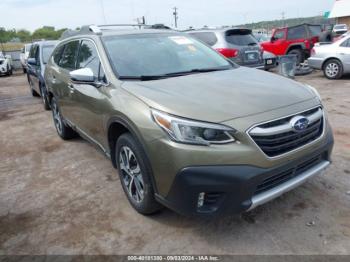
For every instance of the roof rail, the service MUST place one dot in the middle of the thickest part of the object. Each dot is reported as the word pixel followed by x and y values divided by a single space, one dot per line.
pixel 86 29
pixel 97 29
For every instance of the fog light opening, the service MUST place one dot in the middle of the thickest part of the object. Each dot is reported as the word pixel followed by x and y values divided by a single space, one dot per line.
pixel 201 198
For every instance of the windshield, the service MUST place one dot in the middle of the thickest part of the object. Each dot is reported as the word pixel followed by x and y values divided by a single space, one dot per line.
pixel 47 51
pixel 161 54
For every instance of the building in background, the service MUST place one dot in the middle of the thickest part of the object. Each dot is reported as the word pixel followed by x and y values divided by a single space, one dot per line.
pixel 341 12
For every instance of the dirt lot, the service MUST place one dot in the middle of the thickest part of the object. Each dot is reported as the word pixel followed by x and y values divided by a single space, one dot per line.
pixel 60 197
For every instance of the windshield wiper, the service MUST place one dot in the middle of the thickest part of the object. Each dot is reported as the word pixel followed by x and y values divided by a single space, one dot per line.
pixel 174 74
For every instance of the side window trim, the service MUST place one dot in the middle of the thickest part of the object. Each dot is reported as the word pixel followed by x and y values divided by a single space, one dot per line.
pixel 99 57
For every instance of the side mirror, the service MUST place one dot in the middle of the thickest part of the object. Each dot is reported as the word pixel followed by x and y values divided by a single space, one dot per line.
pixel 273 39
pixel 31 61
pixel 83 75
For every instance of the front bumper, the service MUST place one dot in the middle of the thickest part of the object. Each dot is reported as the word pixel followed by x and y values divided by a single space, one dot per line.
pixel 238 188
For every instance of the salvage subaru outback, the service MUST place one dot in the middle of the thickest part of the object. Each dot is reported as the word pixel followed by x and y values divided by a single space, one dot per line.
pixel 185 127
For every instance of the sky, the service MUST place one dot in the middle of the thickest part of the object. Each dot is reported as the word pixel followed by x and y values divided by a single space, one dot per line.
pixel 32 14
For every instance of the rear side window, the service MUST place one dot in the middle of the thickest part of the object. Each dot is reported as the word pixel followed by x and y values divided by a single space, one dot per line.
pixel 88 58
pixel 315 30
pixel 69 55
pixel 207 37
pixel 241 37
pixel 297 32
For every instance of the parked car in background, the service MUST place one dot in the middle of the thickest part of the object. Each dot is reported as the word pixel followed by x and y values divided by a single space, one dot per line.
pixel 340 29
pixel 5 64
pixel 296 40
pixel 237 44
pixel 186 128
pixel 24 56
pixel 39 55
pixel 333 59
pixel 269 58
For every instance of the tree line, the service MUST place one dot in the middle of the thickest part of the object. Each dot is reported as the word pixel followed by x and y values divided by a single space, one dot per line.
pixel 22 35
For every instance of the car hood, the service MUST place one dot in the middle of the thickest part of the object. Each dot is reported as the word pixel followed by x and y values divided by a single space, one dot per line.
pixel 221 95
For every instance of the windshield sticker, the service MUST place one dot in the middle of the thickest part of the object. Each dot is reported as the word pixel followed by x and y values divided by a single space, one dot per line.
pixel 181 40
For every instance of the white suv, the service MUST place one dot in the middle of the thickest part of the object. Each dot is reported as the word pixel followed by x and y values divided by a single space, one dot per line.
pixel 5 64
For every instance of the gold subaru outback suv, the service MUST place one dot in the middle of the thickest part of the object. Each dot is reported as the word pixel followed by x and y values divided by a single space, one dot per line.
pixel 185 127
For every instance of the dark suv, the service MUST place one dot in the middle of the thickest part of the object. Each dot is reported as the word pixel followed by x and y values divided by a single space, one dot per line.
pixel 38 56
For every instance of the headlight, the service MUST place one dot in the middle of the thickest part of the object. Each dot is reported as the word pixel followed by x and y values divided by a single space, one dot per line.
pixel 313 90
pixel 193 132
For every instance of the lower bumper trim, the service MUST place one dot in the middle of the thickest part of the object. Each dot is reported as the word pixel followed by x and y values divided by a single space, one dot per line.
pixel 277 191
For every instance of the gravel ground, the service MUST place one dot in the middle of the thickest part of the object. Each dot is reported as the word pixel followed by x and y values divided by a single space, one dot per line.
pixel 59 197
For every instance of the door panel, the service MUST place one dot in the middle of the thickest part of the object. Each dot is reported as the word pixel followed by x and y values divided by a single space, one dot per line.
pixel 61 77
pixel 89 102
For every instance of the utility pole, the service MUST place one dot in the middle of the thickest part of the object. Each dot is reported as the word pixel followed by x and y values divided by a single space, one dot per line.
pixel 283 16
pixel 175 13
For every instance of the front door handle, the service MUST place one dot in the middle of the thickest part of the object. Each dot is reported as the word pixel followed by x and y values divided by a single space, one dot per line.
pixel 53 79
pixel 71 87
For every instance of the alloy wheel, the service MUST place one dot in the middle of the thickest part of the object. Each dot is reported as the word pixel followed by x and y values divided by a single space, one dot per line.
pixel 57 118
pixel 131 174
pixel 332 70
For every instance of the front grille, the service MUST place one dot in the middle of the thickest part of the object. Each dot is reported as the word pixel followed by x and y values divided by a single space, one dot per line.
pixel 286 175
pixel 278 137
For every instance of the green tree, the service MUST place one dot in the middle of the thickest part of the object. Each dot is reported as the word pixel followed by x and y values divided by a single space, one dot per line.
pixel 24 35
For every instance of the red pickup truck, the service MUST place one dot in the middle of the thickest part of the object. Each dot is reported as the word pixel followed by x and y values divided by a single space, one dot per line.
pixel 296 40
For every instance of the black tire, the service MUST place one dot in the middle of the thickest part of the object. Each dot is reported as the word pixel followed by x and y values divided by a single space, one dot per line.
pixel 299 54
pixel 8 72
pixel 63 130
pixel 44 97
pixel 333 69
pixel 31 85
pixel 143 201
pixel 11 71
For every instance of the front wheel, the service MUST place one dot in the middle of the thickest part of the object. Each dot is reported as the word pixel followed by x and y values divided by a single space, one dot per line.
pixel 44 97
pixel 299 54
pixel 134 173
pixel 31 87
pixel 333 69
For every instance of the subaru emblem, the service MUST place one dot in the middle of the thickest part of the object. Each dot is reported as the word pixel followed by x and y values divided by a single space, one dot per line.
pixel 299 123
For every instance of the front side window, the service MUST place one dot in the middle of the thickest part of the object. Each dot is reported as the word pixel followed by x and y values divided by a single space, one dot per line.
pixel 69 55
pixel 58 54
pixel 280 34
pixel 88 58
pixel 160 54
pixel 346 43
